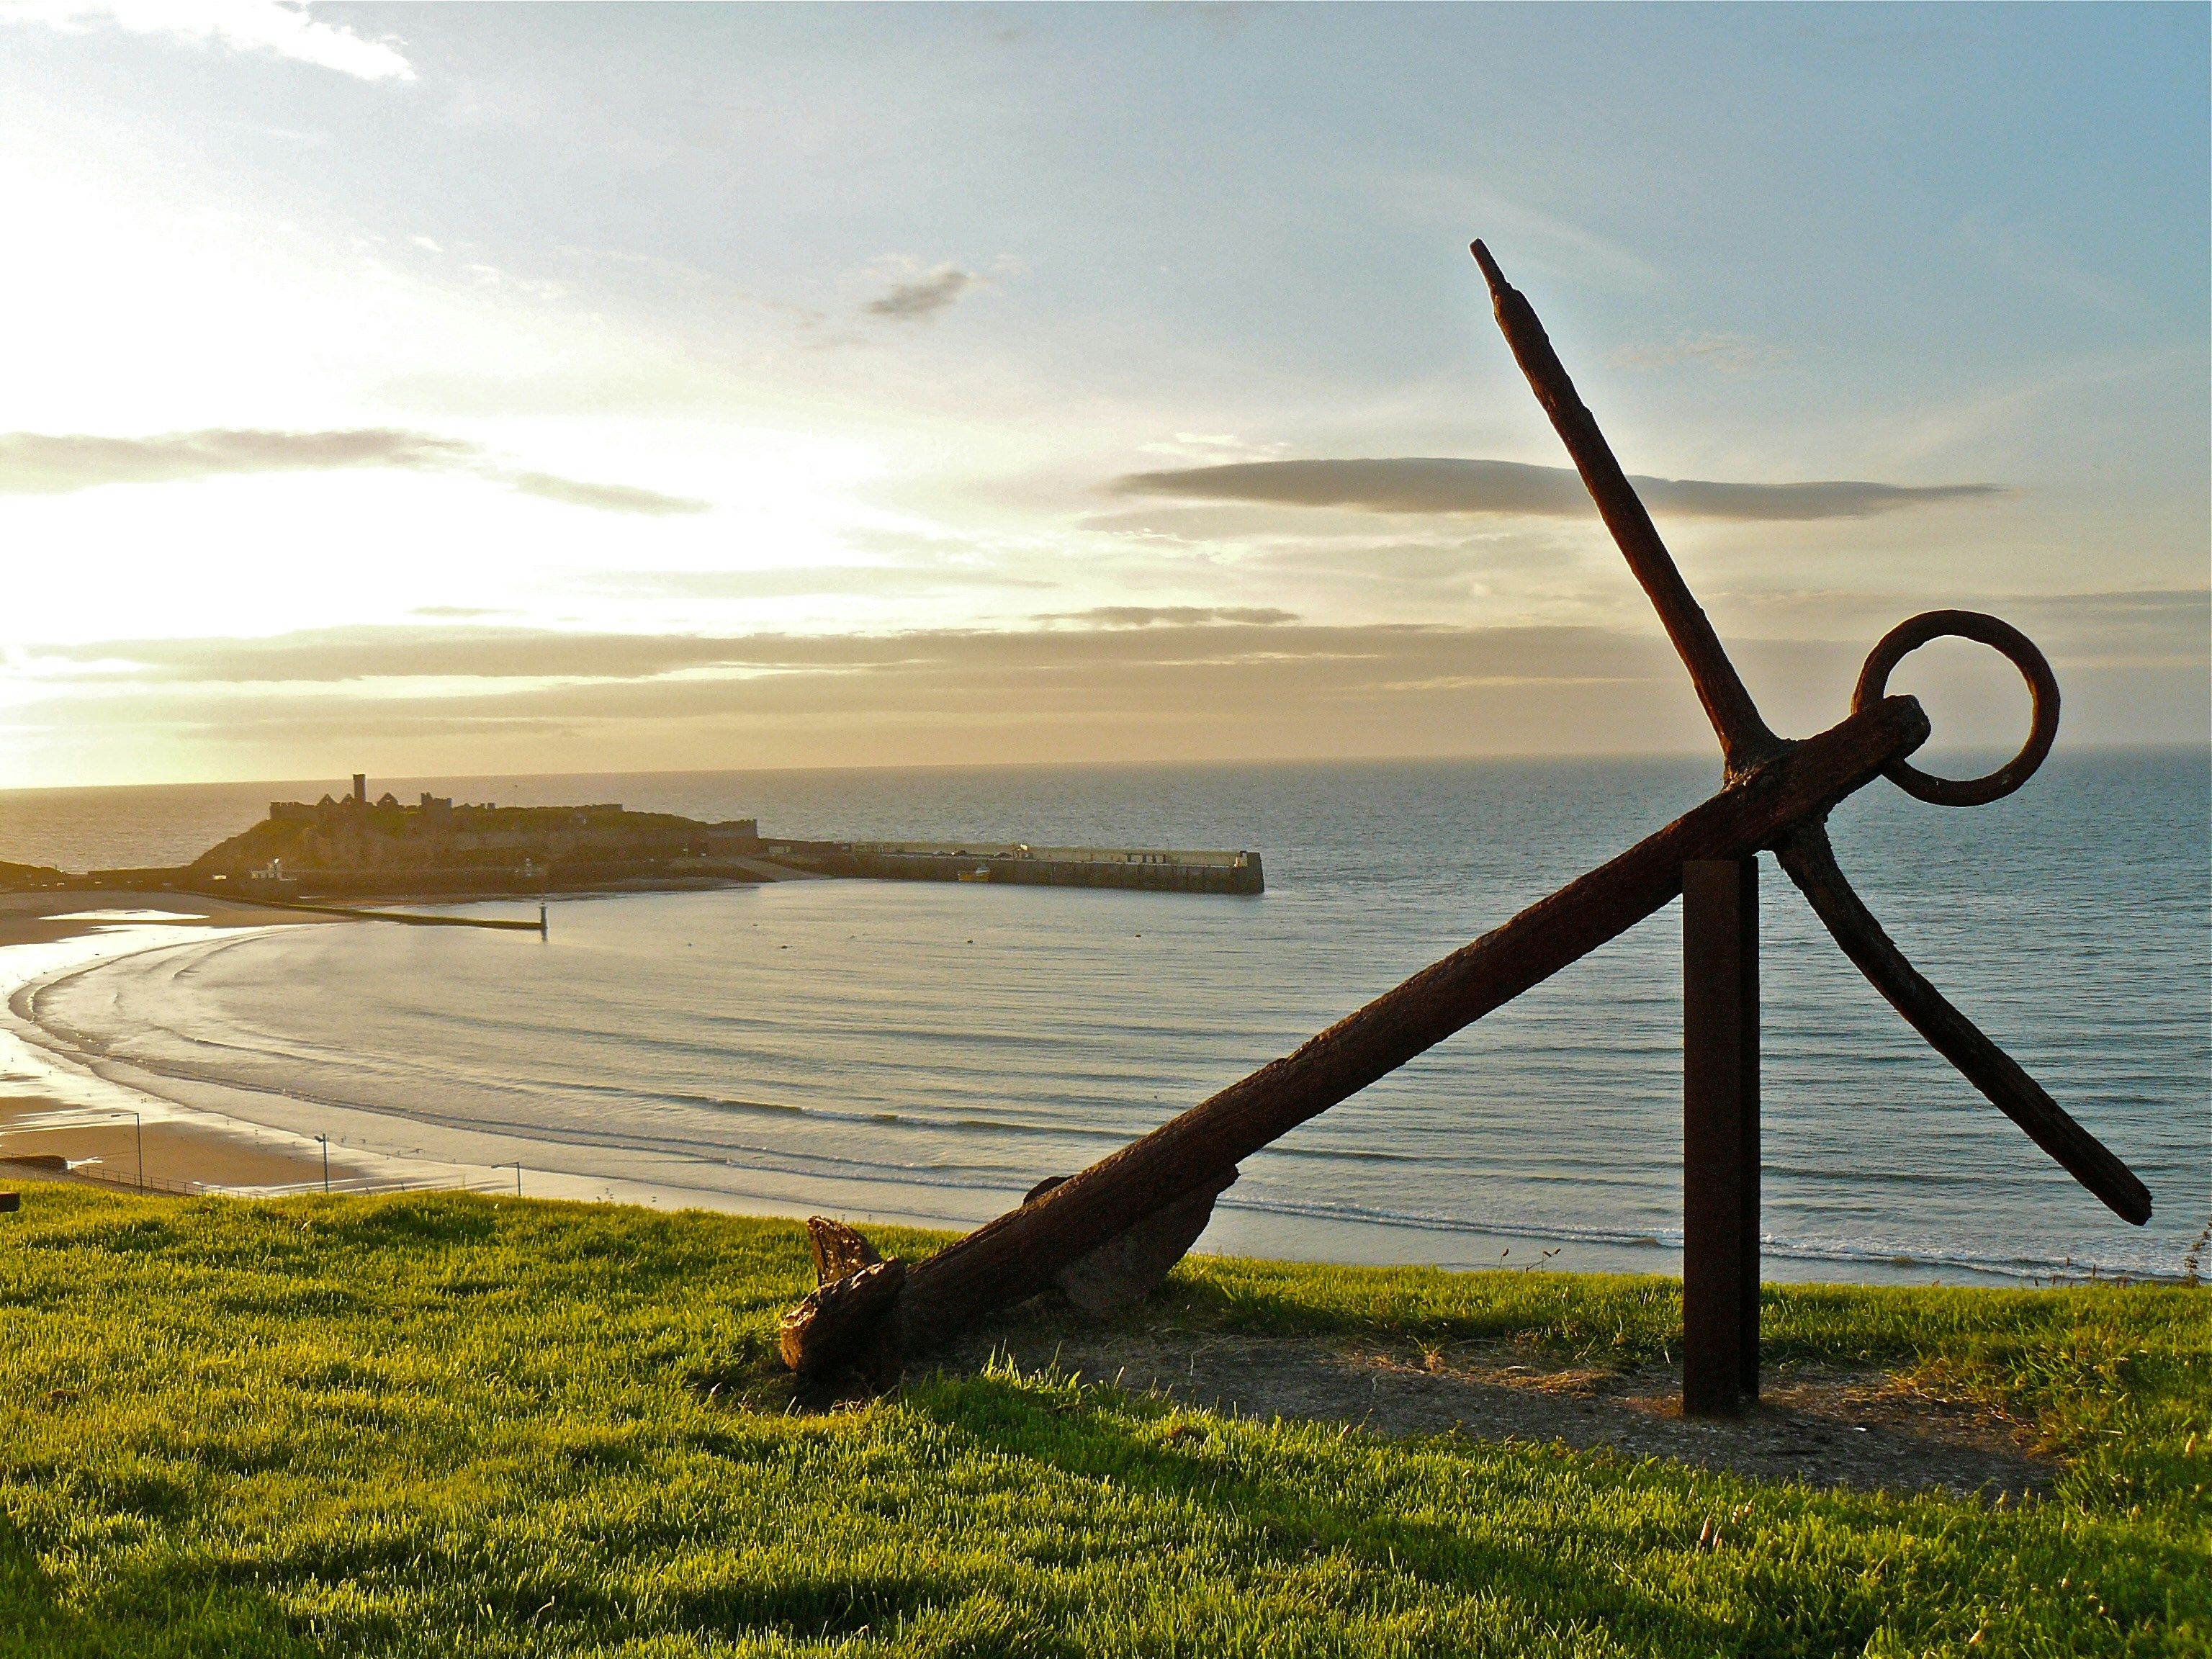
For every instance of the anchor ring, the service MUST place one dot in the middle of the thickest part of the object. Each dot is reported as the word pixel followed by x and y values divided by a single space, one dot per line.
pixel 2042 688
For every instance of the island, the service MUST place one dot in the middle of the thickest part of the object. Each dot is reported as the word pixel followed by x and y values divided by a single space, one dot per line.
pixel 354 846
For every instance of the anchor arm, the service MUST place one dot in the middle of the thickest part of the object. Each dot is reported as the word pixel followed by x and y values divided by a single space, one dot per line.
pixel 1804 851
pixel 1746 740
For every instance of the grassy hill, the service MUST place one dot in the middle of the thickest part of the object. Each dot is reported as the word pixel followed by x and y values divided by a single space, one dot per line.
pixel 455 1424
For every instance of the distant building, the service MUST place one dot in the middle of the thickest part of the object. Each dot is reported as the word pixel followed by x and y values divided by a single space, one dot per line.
pixel 437 844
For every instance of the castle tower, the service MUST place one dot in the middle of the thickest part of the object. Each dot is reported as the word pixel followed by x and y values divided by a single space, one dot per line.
pixel 361 787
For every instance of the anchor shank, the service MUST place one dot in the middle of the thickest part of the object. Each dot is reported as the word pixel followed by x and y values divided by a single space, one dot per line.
pixel 1017 1255
pixel 1746 741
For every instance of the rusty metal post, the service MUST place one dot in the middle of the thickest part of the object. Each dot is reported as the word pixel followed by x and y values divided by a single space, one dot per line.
pixel 1720 1136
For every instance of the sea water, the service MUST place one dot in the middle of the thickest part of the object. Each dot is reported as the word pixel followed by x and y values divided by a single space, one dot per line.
pixel 927 1051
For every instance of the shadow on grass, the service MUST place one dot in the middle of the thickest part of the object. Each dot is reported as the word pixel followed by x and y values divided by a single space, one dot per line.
pixel 168 1621
pixel 1287 1519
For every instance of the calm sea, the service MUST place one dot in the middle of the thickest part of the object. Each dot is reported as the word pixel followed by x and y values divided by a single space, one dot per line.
pixel 928 1052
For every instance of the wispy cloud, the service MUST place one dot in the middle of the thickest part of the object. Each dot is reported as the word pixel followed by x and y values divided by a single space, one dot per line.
pixel 1732 354
pixel 607 498
pixel 281 28
pixel 791 581
pixel 1163 689
pixel 427 676
pixel 2037 262
pixel 1172 616
pixel 50 463
pixel 42 463
pixel 2161 626
pixel 1459 204
pixel 1443 485
pixel 919 301
pixel 465 651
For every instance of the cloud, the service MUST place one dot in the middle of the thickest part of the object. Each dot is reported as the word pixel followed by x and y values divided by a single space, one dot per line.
pixel 1440 485
pixel 43 464
pixel 538 699
pixel 1124 637
pixel 1153 692
pixel 338 654
pixel 788 582
pixel 39 463
pixel 1734 354
pixel 1144 693
pixel 2037 262
pixel 2145 627
pixel 919 301
pixel 1172 616
pixel 607 498
pixel 279 27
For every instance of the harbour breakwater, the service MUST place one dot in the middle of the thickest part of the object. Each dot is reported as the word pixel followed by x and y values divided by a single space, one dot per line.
pixel 1158 870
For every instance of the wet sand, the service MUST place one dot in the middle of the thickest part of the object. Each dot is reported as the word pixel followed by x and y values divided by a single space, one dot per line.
pixel 166 1155
pixel 44 917
pixel 54 1125
pixel 44 1136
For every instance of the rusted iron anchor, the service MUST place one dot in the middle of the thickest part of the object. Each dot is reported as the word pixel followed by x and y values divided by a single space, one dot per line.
pixel 1111 1233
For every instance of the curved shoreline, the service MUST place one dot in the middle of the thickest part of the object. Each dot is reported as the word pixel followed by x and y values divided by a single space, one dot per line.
pixel 237 1119
pixel 60 1094
pixel 57 1104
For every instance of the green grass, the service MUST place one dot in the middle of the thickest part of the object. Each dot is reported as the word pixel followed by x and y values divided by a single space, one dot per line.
pixel 454 1425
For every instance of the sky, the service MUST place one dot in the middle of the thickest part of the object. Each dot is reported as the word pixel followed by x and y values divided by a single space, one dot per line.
pixel 522 389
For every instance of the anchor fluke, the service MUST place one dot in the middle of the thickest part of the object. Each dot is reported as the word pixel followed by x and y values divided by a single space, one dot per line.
pixel 1811 863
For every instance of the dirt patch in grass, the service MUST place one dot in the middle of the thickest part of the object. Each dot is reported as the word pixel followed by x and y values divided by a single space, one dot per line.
pixel 1825 1427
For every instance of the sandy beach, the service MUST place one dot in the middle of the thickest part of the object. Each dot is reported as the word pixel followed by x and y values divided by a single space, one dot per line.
pixel 61 1121
pixel 56 1126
